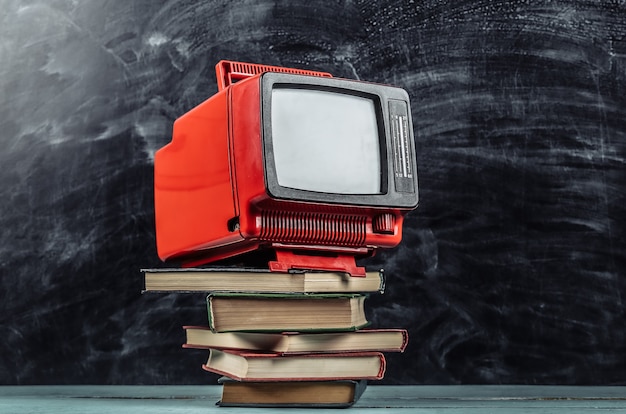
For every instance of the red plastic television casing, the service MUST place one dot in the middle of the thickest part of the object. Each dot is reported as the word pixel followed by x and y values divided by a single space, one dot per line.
pixel 212 197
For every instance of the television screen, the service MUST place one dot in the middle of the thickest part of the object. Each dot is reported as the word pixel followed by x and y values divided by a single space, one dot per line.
pixel 326 142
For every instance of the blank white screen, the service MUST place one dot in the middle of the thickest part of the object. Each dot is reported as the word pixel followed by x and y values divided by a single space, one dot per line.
pixel 325 142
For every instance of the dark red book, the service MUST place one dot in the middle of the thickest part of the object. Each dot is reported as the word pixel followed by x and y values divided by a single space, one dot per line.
pixel 251 366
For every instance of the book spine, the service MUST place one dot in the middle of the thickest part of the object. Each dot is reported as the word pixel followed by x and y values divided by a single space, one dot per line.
pixel 383 281
pixel 383 367
pixel 211 318
pixel 405 340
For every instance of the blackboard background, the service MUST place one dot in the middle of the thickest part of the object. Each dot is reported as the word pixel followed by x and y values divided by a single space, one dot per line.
pixel 511 270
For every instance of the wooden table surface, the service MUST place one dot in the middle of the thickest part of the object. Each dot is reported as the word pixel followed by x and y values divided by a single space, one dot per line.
pixel 376 399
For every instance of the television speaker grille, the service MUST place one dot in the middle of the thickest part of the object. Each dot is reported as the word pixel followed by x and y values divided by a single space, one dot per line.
pixel 313 228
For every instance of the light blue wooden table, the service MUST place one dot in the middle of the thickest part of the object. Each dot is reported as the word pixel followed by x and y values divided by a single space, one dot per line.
pixel 376 399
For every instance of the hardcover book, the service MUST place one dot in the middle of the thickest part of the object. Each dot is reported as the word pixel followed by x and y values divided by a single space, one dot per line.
pixel 255 280
pixel 303 394
pixel 382 340
pixel 251 366
pixel 282 313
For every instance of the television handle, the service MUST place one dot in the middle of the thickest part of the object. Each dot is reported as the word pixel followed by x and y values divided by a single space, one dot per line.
pixel 229 72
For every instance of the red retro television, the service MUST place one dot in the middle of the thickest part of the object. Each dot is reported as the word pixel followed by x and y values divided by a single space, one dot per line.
pixel 317 170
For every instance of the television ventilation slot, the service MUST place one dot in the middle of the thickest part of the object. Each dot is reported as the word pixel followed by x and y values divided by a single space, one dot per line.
pixel 311 228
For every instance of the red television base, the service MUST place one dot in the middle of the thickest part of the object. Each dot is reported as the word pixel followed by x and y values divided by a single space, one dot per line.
pixel 287 260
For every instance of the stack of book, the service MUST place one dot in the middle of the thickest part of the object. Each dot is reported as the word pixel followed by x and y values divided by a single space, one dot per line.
pixel 285 339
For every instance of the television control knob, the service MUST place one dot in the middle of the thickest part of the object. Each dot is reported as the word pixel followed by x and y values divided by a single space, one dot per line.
pixel 384 223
